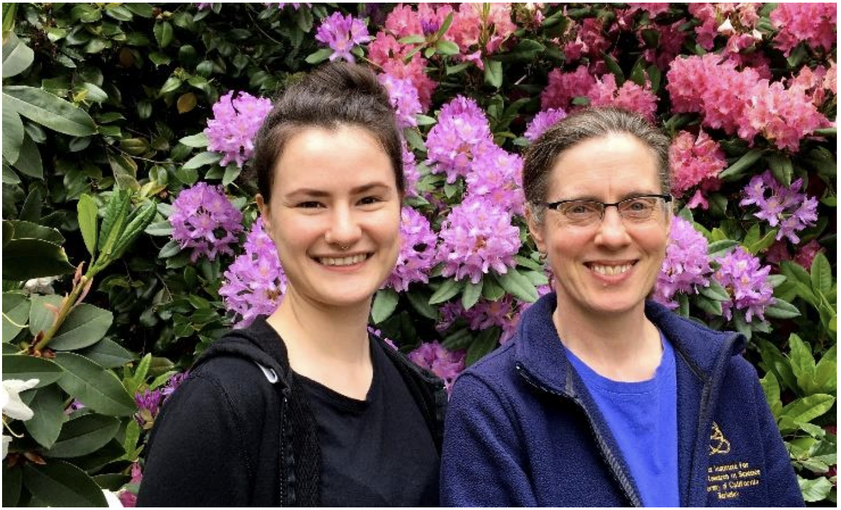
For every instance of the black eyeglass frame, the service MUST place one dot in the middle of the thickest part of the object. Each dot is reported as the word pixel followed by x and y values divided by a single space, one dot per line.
pixel 555 205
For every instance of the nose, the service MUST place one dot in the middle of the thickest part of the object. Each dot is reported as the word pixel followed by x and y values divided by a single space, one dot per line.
pixel 344 229
pixel 612 233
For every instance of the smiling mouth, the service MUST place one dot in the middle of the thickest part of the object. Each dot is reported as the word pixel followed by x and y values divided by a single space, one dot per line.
pixel 610 270
pixel 343 261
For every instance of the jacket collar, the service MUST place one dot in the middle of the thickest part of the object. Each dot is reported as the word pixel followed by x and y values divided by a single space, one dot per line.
pixel 539 349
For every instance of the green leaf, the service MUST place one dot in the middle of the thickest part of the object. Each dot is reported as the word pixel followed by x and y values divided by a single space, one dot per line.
pixel 447 290
pixel 518 285
pixel 485 342
pixel 12 477
pixel 97 388
pixel 814 490
pixel 412 39
pixel 171 84
pixel 138 221
pixel 781 168
pixel 15 314
pixel 802 362
pixel 420 302
pixel 48 416
pixel 195 141
pixel 821 275
pixel 29 230
pixel 737 170
pixel 62 484
pixel 711 306
pixel 114 219
pixel 781 310
pixel 232 171
pixel 826 380
pixel 107 354
pixel 17 56
pixel 87 211
pixel 133 383
pixel 771 388
pixel 23 367
pixel 125 171
pixel 202 159
pixel 48 110
pixel 12 135
pixel 385 301
pixel 491 289
pixel 163 33
pixel 443 47
pixel 83 327
pixel 142 10
pixel 806 409
pixel 319 56
pixel 715 291
pixel 160 228
pixel 84 435
pixel 29 159
pixel 43 312
pixel 24 259
pixel 472 293
pixel 493 73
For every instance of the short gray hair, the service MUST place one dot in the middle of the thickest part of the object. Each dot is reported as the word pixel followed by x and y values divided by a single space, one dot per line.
pixel 584 125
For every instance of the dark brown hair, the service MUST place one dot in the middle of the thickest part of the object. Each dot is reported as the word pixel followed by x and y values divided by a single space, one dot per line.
pixel 587 124
pixel 329 97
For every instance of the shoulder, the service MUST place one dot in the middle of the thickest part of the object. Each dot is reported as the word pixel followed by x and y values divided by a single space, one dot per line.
pixel 490 382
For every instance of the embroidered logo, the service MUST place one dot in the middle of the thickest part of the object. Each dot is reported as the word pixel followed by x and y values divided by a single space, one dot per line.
pixel 718 443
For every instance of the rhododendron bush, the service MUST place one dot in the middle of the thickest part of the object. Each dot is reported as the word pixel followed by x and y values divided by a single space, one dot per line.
pixel 132 241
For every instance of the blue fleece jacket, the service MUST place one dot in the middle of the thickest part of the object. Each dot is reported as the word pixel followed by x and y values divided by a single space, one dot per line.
pixel 522 429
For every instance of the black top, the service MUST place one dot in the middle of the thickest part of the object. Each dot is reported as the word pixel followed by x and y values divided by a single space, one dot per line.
pixel 377 451
pixel 239 431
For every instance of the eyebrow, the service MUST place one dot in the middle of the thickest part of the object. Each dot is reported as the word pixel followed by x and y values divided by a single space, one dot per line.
pixel 630 194
pixel 317 193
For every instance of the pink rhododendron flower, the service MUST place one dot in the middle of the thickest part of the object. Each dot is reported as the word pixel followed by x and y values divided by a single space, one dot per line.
pixel 806 254
pixel 629 96
pixel 814 23
pixel 563 87
pixel 694 160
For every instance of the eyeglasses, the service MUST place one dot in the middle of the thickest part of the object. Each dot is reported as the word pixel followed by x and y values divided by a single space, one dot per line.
pixel 585 213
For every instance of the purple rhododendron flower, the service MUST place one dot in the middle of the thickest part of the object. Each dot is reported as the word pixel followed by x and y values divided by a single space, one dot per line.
pixel 417 251
pixel 543 121
pixel 404 98
pixel 410 171
pixel 461 135
pixel 205 220
pixel 254 284
pixel 342 33
pixel 476 237
pixel 496 176
pixel 781 206
pixel 440 361
pixel 234 124
pixel 686 265
pixel 747 283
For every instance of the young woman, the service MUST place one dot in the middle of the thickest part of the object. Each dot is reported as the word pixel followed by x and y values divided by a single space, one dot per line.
pixel 604 398
pixel 304 407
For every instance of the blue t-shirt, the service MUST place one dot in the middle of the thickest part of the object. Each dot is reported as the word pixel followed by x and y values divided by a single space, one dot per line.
pixel 642 416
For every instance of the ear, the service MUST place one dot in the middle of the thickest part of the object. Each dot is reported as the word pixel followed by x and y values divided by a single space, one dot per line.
pixel 536 230
pixel 265 213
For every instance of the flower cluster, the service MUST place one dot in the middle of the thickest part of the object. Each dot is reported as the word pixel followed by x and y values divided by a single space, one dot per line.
pixel 411 175
pixel 476 33
pixel 149 401
pixel 495 175
pixel 738 23
pixel 342 34
pixel 205 220
pixel 543 121
pixel 686 265
pixel 746 280
pixel 234 123
pixel 814 23
pixel 254 284
pixel 461 135
pixel 564 87
pixel 781 206
pixel 695 162
pixel 476 237
pixel 417 251
pixel 434 357
pixel 404 98
pixel 739 102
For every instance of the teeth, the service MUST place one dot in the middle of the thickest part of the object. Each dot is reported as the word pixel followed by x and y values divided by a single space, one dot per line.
pixel 344 261
pixel 610 270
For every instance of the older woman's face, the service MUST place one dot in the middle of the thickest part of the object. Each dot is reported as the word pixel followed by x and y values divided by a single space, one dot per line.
pixel 610 266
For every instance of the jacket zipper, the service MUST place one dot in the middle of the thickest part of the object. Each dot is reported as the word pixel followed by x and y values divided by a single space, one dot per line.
pixel 604 451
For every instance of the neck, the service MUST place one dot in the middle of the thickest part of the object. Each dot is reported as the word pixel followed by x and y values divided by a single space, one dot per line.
pixel 326 344
pixel 623 347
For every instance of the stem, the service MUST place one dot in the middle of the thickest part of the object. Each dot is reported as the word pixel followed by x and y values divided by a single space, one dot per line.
pixel 66 307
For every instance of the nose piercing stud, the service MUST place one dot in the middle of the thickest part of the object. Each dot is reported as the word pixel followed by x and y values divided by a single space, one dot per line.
pixel 344 248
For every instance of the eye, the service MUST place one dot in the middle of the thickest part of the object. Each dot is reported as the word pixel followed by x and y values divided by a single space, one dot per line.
pixel 370 200
pixel 580 209
pixel 309 205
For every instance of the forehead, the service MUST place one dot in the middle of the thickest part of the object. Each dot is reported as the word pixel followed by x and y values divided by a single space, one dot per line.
pixel 609 166
pixel 327 159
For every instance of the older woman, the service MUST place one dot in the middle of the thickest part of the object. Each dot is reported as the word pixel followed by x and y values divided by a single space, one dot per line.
pixel 604 398
pixel 304 407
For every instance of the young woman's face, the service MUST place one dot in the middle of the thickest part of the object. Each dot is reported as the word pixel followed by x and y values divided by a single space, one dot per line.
pixel 334 215
pixel 611 265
